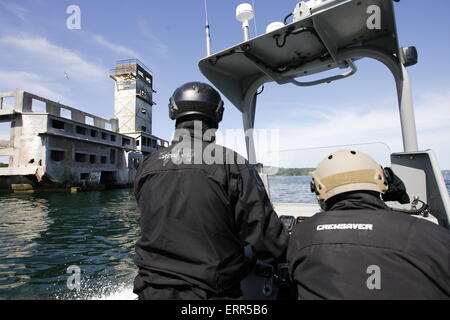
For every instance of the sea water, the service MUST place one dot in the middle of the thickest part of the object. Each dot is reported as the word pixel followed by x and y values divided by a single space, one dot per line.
pixel 42 235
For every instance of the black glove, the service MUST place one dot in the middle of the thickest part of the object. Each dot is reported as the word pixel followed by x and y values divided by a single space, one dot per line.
pixel 397 189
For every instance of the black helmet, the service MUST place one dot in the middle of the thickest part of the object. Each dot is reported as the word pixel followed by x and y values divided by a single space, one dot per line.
pixel 196 98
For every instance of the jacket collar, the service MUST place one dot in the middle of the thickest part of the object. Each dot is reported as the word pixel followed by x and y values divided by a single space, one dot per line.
pixel 356 201
pixel 196 130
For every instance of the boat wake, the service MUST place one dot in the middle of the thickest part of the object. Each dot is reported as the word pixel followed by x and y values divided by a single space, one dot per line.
pixel 120 293
pixel 101 290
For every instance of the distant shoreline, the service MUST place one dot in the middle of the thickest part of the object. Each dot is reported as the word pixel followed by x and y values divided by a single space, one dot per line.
pixel 290 172
pixel 294 172
pixel 282 172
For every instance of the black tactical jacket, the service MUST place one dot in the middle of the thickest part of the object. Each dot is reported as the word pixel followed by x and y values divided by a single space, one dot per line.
pixel 197 218
pixel 361 249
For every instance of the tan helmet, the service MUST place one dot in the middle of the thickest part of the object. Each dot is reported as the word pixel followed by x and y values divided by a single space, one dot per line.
pixel 347 170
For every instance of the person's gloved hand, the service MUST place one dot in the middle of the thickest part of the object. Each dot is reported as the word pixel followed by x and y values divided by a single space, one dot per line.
pixel 397 189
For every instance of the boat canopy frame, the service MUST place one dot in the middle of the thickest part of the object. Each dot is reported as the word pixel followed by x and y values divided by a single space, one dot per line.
pixel 332 36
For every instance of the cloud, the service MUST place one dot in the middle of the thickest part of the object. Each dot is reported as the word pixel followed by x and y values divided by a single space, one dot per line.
pixel 159 46
pixel 60 59
pixel 17 10
pixel 308 133
pixel 122 50
pixel 31 82
pixel 344 124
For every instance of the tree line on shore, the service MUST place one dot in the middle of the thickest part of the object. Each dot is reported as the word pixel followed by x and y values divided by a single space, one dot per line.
pixel 288 171
pixel 304 171
pixel 278 171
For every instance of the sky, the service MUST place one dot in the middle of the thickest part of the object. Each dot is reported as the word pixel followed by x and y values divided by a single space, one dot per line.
pixel 37 48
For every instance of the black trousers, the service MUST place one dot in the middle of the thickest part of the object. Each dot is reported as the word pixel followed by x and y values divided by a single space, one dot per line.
pixel 154 292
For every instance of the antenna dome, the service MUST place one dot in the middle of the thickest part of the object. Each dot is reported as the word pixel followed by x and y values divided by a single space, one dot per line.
pixel 244 12
pixel 274 26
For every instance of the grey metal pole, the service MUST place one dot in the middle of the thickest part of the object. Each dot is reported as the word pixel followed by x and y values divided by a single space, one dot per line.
pixel 249 139
pixel 208 41
pixel 245 26
pixel 404 93
pixel 407 117
pixel 248 118
pixel 208 33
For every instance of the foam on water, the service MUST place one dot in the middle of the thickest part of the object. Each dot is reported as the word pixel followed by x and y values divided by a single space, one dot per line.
pixel 101 288
pixel 121 293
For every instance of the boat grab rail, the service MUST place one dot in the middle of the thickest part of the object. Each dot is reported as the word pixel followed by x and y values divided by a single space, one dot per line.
pixel 352 71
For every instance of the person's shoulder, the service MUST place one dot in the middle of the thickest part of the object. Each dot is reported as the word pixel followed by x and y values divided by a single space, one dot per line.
pixel 154 159
pixel 155 155
pixel 416 222
pixel 416 231
pixel 232 157
pixel 432 229
pixel 308 224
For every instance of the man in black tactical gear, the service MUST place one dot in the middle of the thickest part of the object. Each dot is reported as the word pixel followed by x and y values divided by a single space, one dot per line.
pixel 359 248
pixel 201 204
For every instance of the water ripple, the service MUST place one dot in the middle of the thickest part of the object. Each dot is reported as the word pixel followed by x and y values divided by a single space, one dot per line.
pixel 42 235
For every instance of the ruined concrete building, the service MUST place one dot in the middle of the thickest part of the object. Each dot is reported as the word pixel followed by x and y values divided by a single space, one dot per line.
pixel 52 146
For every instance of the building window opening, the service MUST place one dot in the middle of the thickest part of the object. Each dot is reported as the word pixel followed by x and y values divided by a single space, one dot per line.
pixel 125 142
pixel 143 128
pixel 113 138
pixel 92 158
pixel 80 157
pixel 108 126
pixel 4 161
pixel 38 106
pixel 112 156
pixel 7 103
pixel 103 159
pixel 5 131
pixel 137 142
pixel 104 135
pixel 89 120
pixel 81 130
pixel 85 176
pixel 56 124
pixel 65 113
pixel 57 155
pixel 94 133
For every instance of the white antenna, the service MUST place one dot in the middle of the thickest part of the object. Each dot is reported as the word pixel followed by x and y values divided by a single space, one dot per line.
pixel 254 20
pixel 244 13
pixel 208 34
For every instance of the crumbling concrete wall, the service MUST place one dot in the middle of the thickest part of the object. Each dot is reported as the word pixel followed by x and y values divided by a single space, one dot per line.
pixel 66 152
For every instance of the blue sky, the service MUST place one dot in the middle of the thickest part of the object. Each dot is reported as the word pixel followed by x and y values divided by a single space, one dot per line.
pixel 36 48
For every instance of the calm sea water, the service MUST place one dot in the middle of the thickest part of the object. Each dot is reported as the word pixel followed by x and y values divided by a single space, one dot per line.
pixel 42 235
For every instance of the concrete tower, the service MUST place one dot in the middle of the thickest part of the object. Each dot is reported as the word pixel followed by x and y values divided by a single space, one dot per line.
pixel 133 97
